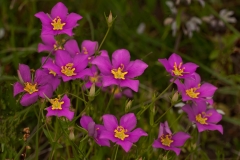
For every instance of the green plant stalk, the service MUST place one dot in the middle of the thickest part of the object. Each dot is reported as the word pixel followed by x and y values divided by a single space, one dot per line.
pixel 114 157
pixel 111 98
pixel 104 38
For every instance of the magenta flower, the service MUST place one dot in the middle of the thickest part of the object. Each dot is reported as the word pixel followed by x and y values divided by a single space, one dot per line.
pixel 59 21
pixel 54 78
pixel 60 107
pixel 94 130
pixel 121 71
pixel 192 89
pixel 49 44
pixel 204 119
pixel 93 78
pixel 67 67
pixel 122 134
pixel 33 88
pixel 87 47
pixel 168 141
pixel 174 65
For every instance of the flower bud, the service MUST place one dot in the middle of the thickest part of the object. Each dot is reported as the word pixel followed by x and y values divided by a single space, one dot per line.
pixel 175 97
pixel 128 105
pixel 110 19
pixel 92 92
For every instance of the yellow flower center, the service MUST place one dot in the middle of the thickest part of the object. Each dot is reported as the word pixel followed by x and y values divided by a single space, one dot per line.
pixel 85 50
pixel 202 117
pixel 178 70
pixel 118 74
pixel 52 72
pixel 192 92
pixel 56 104
pixel 94 79
pixel 56 23
pixel 166 140
pixel 120 133
pixel 68 70
pixel 30 88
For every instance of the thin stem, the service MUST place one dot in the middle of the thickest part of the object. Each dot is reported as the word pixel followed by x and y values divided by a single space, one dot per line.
pixel 158 120
pixel 104 38
pixel 115 155
pixel 111 98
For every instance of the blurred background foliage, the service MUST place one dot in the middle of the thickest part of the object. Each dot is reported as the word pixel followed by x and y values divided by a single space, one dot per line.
pixel 204 33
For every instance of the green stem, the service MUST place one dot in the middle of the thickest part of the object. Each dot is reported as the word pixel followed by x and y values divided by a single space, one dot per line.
pixel 115 154
pixel 111 98
pixel 104 38
pixel 158 120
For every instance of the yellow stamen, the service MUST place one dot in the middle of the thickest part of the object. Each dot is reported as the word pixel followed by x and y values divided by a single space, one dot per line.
pixel 94 79
pixel 30 88
pixel 166 140
pixel 178 70
pixel 120 133
pixel 202 117
pixel 118 74
pixel 57 46
pixel 52 72
pixel 68 70
pixel 192 92
pixel 56 104
pixel 56 23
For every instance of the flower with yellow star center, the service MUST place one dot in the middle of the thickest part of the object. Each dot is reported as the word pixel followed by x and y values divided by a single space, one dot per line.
pixel 68 70
pixel 118 73
pixel 30 88
pixel 178 70
pixel 57 24
pixel 166 140
pixel 120 133
pixel 56 104
pixel 192 92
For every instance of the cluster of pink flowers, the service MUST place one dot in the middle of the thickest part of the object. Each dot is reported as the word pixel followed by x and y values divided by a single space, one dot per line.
pixel 93 66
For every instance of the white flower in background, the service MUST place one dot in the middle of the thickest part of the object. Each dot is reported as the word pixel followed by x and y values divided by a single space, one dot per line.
pixel 192 25
pixel 2 33
pixel 172 7
pixel 189 2
pixel 216 23
pixel 141 28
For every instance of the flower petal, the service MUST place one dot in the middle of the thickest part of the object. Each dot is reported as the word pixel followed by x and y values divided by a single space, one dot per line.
pixel 108 135
pixel 136 134
pixel 190 67
pixel 179 139
pixel 85 120
pixel 120 56
pixel 62 58
pixel 44 18
pixel 60 113
pixel 59 10
pixel 174 58
pixel 207 90
pixel 166 65
pixel 110 122
pixel 108 81
pixel 80 62
pixel 128 121
pixel 203 127
pixel 25 73
pixel 28 99
pixel 135 68
pixel 188 109
pixel 133 84
pixel 71 21
pixel 17 88
pixel 45 90
pixel 157 144
pixel 72 47
pixel 66 101
pixel 104 65
pixel 89 47
pixel 126 145
pixel 215 116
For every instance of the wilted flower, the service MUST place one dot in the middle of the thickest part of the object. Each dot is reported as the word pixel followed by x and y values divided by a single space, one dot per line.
pixel 67 67
pixel 60 107
pixel 122 134
pixel 121 71
pixel 33 88
pixel 94 130
pixel 204 119
pixel 168 141
pixel 192 89
pixel 59 21
pixel 174 65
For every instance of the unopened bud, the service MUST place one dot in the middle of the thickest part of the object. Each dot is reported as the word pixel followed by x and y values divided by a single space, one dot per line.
pixel 71 134
pixel 110 19
pixel 92 92
pixel 128 105
pixel 175 97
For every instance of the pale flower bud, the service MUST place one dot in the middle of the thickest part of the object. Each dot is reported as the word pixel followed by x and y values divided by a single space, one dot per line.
pixel 175 97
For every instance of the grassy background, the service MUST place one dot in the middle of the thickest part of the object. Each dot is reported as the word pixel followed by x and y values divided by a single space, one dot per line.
pixel 217 52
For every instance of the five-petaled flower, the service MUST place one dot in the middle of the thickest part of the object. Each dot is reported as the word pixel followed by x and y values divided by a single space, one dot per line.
pixel 122 71
pixel 168 141
pixel 33 88
pixel 69 68
pixel 60 107
pixel 59 21
pixel 122 133
pixel 204 119
pixel 192 89
pixel 174 65
pixel 94 130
